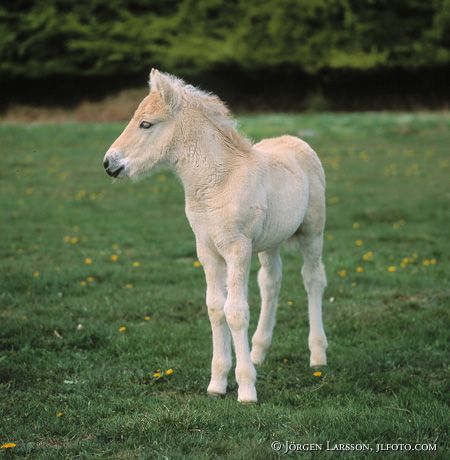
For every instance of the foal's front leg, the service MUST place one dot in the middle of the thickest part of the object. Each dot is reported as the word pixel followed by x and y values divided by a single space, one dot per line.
pixel 215 274
pixel 238 257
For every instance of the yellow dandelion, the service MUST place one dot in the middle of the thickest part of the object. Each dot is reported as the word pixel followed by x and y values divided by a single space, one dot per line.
pixel 136 264
pixel 157 375
pixel 36 274
pixel 317 374
pixel 169 371
pixel 334 200
pixel 359 243
pixel 90 279
pixel 342 273
pixel 122 329
pixel 88 261
pixel 8 445
pixel 147 318
pixel 114 258
pixel 392 269
pixel 426 262
pixel 73 240
pixel 290 302
pixel 368 256
pixel 59 414
pixel 359 269
pixel 433 261
pixel 83 283
pixel 356 225
pixel 197 264
pixel 129 286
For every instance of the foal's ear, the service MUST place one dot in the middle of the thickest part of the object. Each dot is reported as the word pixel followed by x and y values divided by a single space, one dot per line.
pixel 162 84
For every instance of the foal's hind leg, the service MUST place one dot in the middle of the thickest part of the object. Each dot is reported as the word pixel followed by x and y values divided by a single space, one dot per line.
pixel 269 281
pixel 315 280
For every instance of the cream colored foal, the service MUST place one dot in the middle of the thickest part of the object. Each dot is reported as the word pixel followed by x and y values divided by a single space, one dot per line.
pixel 240 199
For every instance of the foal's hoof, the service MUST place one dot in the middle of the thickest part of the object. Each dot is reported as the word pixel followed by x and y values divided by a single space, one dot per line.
pixel 213 395
pixel 248 403
pixel 318 359
pixel 257 356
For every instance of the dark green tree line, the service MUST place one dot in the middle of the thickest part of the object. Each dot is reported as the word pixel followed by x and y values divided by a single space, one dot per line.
pixel 40 38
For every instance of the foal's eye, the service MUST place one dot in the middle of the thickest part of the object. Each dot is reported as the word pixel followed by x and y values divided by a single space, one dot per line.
pixel 145 125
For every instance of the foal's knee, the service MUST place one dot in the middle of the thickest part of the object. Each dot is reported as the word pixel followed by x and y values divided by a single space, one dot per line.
pixel 237 316
pixel 215 304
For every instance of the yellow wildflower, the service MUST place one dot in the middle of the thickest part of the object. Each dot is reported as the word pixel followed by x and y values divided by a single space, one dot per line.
pixel 114 258
pixel 147 318
pixel 334 200
pixel 59 414
pixel 129 286
pixel 36 274
pixel 317 374
pixel 136 264
pixel 433 261
pixel 90 279
pixel 82 283
pixel 358 243
pixel 73 240
pixel 426 262
pixel 122 329
pixel 197 264
pixel 342 273
pixel 359 269
pixel 392 269
pixel 88 261
pixel 8 445
pixel 157 375
pixel 290 302
pixel 368 256
pixel 169 371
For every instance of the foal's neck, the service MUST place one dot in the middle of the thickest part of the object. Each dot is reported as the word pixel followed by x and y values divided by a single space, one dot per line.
pixel 208 160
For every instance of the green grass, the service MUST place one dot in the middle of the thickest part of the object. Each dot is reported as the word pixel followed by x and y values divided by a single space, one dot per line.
pixel 62 351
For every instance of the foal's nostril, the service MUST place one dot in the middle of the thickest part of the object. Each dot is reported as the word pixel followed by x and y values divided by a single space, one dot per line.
pixel 106 164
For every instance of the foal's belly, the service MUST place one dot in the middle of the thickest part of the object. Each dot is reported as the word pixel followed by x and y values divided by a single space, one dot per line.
pixel 286 208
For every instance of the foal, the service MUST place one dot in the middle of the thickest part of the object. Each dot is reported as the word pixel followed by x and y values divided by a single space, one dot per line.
pixel 240 199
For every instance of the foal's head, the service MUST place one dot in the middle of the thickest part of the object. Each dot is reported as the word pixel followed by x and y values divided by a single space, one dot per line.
pixel 151 135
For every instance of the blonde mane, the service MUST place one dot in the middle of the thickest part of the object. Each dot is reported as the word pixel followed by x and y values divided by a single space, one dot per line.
pixel 213 109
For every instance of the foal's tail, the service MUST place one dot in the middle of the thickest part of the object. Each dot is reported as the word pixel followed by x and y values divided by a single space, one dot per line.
pixel 314 221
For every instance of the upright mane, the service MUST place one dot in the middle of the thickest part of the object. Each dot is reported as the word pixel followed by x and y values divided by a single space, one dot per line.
pixel 214 110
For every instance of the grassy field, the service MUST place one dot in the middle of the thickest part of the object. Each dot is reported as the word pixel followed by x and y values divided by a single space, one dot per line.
pixel 100 288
